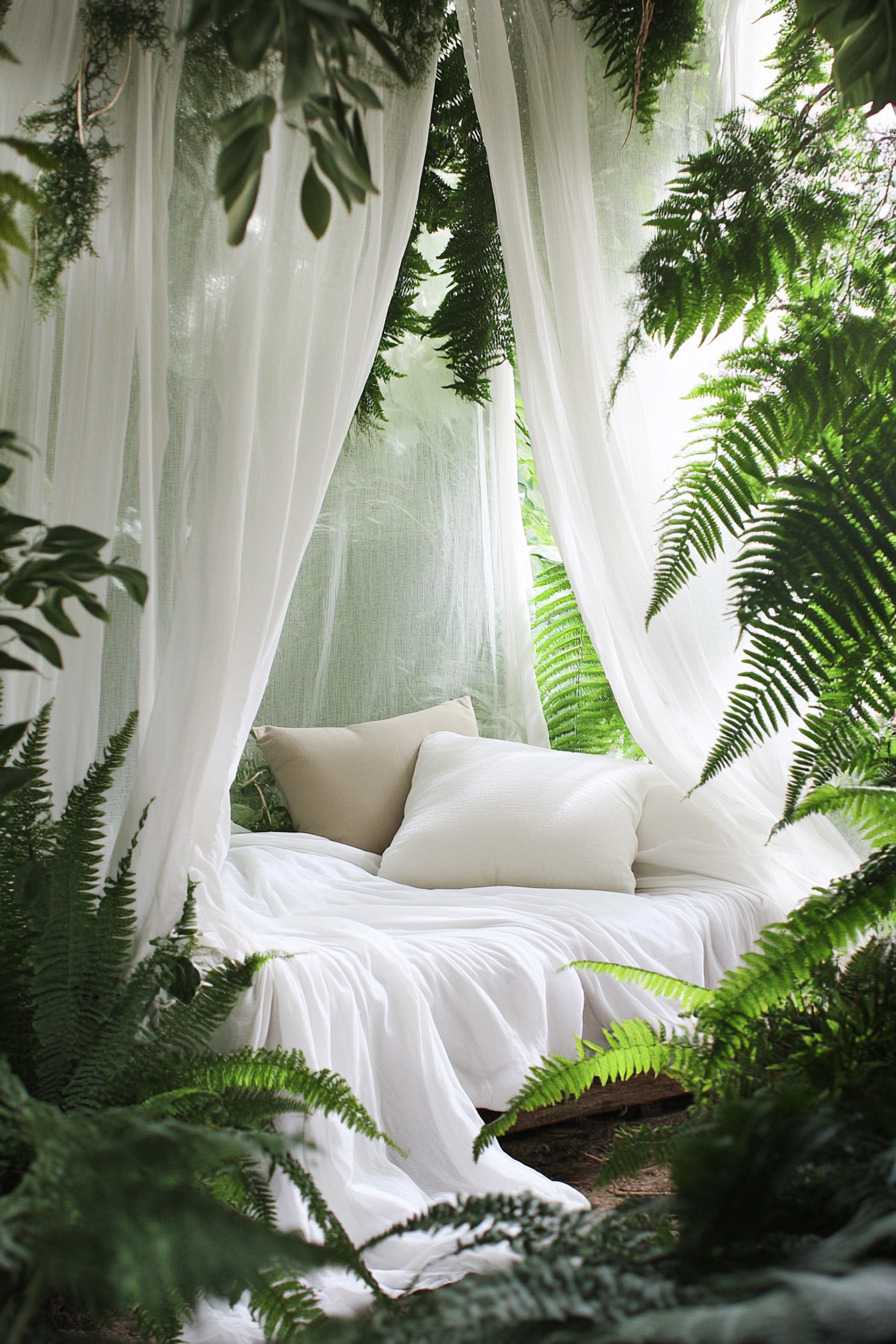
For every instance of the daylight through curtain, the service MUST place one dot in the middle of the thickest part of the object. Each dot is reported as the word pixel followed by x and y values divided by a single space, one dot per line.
pixel 192 399
pixel 571 187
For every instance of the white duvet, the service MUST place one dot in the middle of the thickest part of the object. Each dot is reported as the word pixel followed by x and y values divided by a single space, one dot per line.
pixel 431 1003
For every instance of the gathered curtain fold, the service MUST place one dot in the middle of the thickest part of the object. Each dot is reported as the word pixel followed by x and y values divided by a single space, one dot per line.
pixel 572 182
pixel 193 399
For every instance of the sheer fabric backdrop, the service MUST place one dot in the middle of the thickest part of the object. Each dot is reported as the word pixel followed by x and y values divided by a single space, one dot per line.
pixel 571 192
pixel 413 587
pixel 197 396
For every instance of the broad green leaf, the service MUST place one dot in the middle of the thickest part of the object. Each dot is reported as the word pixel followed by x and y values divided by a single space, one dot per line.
pixel 12 777
pixel 133 581
pixel 37 640
pixel 362 93
pixel 35 153
pixel 239 210
pixel 10 664
pixel 69 538
pixel 316 203
pixel 250 35
pixel 11 734
pixel 303 75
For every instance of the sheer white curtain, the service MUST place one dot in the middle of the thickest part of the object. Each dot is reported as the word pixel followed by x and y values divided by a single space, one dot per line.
pixel 67 383
pixel 197 396
pixel 413 587
pixel 571 192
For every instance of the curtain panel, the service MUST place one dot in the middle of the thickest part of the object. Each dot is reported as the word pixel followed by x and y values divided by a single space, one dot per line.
pixel 192 399
pixel 572 183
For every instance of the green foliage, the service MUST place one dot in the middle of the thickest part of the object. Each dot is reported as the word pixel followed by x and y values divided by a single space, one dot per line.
pixel 644 43
pixel 864 67
pixel 318 48
pixel 71 190
pixel 734 1031
pixel 135 1162
pixel 116 1208
pixel 472 324
pixel 787 219
pixel 579 705
pixel 14 190
pixel 42 567
pixel 402 319
pixel 255 800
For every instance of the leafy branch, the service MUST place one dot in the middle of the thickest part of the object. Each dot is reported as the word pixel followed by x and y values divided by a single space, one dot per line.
pixel 43 567
pixel 319 44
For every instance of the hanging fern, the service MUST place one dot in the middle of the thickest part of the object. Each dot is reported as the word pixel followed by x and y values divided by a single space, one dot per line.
pixel 788 217
pixel 645 42
pixel 71 192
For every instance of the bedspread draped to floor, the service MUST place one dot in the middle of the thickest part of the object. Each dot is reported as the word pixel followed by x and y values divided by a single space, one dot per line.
pixel 431 1003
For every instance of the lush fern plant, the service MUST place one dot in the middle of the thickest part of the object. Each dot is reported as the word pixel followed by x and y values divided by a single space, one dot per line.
pixel 724 1042
pixel 112 1084
pixel 579 706
pixel 786 221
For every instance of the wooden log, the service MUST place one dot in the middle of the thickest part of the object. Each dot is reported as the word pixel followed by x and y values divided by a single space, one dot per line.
pixel 600 1098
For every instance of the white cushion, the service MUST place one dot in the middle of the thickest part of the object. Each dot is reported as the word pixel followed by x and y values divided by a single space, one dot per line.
pixel 483 813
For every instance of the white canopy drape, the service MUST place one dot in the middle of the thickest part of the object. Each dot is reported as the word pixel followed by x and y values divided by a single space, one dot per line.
pixel 571 192
pixel 197 396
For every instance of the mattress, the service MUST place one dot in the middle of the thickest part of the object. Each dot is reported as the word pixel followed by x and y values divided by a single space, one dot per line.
pixel 434 1003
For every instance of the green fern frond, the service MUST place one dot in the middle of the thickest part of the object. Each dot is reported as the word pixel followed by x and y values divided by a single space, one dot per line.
pixel 666 986
pixel 25 840
pixel 335 1235
pixel 871 809
pixel 633 1047
pixel 185 1028
pixel 788 953
pixel 250 1086
pixel 495 1216
pixel 67 1014
pixel 472 323
pixel 579 706
pixel 283 1305
pixel 643 47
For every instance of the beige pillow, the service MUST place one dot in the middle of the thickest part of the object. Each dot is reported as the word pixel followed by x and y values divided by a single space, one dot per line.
pixel 351 784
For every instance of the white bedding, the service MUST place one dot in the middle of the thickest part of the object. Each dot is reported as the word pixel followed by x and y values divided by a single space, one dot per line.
pixel 432 1003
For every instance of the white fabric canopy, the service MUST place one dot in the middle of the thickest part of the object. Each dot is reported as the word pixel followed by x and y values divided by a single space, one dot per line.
pixel 413 588
pixel 571 193
pixel 197 396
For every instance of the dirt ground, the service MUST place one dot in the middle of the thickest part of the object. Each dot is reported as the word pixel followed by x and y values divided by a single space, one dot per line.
pixel 575 1151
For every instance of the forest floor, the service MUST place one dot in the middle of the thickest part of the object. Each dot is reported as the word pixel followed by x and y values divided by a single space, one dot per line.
pixel 575 1150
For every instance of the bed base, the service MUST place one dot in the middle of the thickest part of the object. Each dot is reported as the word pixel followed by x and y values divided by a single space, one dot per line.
pixel 646 1091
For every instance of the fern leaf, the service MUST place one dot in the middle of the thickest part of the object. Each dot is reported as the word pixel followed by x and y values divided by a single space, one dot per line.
pixel 871 809
pixel 67 1015
pixel 690 996
pixel 579 706
pixel 633 1047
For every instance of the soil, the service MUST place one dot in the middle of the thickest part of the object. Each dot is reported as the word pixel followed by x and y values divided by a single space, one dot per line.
pixel 575 1150
pixel 74 1326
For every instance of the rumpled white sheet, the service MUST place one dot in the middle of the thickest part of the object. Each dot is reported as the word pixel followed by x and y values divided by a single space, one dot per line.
pixel 431 1003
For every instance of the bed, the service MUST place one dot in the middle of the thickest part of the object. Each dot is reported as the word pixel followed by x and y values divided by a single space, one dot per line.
pixel 432 1002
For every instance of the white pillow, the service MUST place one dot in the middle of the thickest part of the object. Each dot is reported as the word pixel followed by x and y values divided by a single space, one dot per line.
pixel 483 813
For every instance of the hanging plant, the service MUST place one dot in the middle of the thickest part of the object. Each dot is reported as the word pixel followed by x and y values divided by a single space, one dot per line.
pixel 71 193
pixel 318 43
